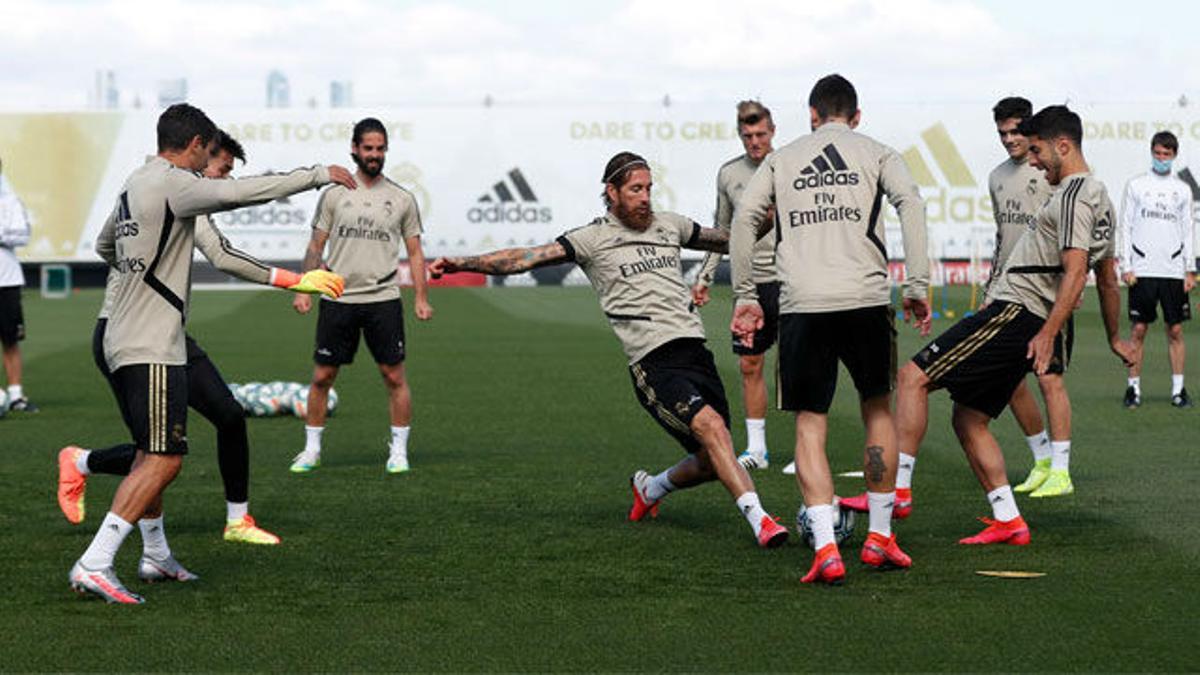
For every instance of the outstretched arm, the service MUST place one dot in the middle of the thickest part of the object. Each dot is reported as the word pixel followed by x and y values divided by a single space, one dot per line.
pixel 502 262
pixel 716 239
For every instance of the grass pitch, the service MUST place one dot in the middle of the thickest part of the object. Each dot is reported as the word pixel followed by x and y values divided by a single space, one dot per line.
pixel 506 548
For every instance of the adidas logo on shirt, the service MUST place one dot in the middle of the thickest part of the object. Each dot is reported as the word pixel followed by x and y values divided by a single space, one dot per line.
pixel 510 201
pixel 826 169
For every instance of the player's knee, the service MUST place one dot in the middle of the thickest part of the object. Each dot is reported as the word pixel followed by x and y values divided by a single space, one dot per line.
pixel 323 378
pixel 708 424
pixel 751 366
pixel 164 467
pixel 1175 331
pixel 1138 332
pixel 965 423
pixel 911 377
pixel 1051 384
pixel 230 417
pixel 393 378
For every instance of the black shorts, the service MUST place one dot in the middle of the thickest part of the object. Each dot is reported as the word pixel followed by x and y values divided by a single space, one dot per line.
pixel 154 399
pixel 674 383
pixel 981 359
pixel 12 320
pixel 810 346
pixel 340 323
pixel 1149 292
pixel 768 299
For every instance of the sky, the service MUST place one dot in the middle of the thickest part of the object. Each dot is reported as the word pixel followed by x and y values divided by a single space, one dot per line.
pixel 535 52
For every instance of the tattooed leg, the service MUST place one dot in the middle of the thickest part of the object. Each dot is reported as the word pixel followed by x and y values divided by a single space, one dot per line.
pixel 880 457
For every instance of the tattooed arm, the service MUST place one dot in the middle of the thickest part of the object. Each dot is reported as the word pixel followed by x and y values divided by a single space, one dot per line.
pixel 502 262
pixel 716 239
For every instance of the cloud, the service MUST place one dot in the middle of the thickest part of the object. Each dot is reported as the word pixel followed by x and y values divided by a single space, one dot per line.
pixel 437 52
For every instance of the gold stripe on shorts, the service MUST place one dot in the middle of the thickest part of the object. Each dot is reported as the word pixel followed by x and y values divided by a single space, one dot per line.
pixel 158 408
pixel 969 346
pixel 667 416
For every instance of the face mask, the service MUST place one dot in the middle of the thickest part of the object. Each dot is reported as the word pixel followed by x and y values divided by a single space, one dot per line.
pixel 1161 166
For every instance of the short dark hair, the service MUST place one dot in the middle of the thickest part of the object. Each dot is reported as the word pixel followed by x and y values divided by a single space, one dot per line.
pixel 180 123
pixel 1013 107
pixel 618 169
pixel 1167 140
pixel 1053 122
pixel 365 126
pixel 230 144
pixel 833 96
pixel 750 113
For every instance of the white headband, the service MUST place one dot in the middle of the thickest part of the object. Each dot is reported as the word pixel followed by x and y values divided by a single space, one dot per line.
pixel 626 165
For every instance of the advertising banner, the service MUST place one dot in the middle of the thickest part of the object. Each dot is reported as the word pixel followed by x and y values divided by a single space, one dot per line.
pixel 488 177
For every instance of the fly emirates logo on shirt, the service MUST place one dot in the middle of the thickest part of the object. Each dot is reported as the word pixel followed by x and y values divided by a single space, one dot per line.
pixel 649 259
pixel 363 226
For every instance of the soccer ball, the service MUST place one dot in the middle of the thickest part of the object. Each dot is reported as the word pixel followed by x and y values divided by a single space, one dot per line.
pixel 331 404
pixel 3 403
pixel 300 403
pixel 843 523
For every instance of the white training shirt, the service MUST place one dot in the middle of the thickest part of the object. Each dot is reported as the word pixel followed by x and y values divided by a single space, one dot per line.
pixel 14 232
pixel 1155 237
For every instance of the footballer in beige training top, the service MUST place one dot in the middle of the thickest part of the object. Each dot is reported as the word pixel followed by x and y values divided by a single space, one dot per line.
pixel 361 231
pixel 631 256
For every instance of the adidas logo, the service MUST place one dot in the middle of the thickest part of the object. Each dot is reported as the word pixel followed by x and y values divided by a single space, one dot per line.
pixel 945 155
pixel 826 169
pixel 502 205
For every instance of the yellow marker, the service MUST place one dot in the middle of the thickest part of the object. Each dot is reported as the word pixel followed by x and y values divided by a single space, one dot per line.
pixel 1009 574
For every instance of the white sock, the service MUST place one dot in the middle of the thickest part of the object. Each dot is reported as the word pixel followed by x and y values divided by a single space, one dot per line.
pixel 15 392
pixel 1004 506
pixel 659 486
pixel 235 511
pixel 154 538
pixel 312 438
pixel 103 549
pixel 81 463
pixel 1136 383
pixel 1176 384
pixel 904 471
pixel 880 506
pixel 820 519
pixel 399 445
pixel 750 507
pixel 756 436
pixel 1039 445
pixel 1060 457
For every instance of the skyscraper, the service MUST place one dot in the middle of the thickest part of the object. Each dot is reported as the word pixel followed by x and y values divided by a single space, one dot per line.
pixel 278 92
pixel 341 94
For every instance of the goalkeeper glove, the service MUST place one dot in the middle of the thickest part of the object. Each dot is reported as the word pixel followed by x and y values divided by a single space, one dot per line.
pixel 312 281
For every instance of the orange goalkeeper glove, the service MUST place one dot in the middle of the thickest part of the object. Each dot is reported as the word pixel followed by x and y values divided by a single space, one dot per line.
pixel 312 281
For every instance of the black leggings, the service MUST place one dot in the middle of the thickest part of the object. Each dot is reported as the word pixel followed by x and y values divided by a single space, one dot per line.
pixel 209 395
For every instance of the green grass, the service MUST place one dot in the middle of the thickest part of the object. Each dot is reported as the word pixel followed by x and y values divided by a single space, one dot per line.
pixel 506 547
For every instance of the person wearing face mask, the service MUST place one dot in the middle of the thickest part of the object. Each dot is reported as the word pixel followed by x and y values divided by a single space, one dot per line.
pixel 1157 262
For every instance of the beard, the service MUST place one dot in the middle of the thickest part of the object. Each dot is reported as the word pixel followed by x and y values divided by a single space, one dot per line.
pixel 371 168
pixel 638 218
